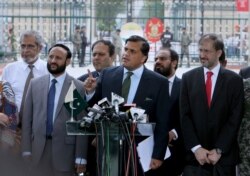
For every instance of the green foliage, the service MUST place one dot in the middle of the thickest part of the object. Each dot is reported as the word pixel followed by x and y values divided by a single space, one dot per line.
pixel 152 9
pixel 1 54
pixel 106 13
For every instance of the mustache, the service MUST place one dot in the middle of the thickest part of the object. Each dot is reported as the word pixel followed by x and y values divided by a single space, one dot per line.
pixel 53 65
pixel 158 65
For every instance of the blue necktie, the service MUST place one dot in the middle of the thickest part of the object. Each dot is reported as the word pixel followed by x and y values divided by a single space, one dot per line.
pixel 50 107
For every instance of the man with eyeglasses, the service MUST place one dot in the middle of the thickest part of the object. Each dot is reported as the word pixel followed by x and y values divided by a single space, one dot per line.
pixel 18 74
pixel 211 106
pixel 166 63
pixel 28 66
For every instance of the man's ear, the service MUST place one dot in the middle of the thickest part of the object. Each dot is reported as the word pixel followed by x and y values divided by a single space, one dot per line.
pixel 40 48
pixel 174 64
pixel 68 61
pixel 145 58
pixel 219 53
pixel 112 58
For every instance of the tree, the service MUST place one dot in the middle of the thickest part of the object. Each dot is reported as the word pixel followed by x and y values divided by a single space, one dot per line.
pixel 106 14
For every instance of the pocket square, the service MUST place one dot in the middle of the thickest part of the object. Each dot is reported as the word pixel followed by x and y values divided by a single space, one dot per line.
pixel 148 99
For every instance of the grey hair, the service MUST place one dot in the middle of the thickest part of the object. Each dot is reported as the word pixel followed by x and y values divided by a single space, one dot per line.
pixel 36 34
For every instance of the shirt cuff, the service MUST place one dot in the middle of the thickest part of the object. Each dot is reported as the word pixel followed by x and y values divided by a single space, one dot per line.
pixel 195 148
pixel 81 161
pixel 175 133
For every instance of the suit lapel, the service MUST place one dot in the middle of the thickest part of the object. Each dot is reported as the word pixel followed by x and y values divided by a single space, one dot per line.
pixel 45 81
pixel 201 86
pixel 140 93
pixel 175 89
pixel 117 81
pixel 65 88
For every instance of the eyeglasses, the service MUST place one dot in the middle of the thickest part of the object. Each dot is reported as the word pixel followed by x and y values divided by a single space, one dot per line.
pixel 29 47
pixel 206 51
pixel 162 58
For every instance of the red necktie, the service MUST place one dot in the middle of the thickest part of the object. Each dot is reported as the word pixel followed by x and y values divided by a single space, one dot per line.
pixel 209 87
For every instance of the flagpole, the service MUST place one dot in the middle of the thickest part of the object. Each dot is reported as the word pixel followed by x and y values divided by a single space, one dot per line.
pixel 248 30
pixel 72 104
pixel 72 111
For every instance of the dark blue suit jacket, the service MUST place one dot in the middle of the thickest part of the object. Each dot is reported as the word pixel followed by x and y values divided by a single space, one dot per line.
pixel 151 95
pixel 175 164
pixel 174 99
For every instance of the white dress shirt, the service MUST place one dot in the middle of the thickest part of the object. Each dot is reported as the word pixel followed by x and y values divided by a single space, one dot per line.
pixel 16 74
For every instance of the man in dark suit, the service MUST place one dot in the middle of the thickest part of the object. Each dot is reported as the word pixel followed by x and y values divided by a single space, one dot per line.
pixel 166 62
pixel 211 103
pixel 102 57
pixel 45 140
pixel 147 91
pixel 245 72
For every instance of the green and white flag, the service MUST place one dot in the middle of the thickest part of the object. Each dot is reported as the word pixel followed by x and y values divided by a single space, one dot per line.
pixel 73 102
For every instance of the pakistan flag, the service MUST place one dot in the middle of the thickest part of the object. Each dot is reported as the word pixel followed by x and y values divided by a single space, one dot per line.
pixel 73 102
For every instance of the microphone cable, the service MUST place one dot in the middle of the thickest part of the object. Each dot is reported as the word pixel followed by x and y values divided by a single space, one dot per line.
pixel 127 135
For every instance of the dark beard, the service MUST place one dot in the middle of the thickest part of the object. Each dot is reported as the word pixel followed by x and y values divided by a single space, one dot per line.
pixel 58 70
pixel 163 71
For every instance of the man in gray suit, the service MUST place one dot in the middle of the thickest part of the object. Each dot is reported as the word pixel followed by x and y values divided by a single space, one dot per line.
pixel 44 140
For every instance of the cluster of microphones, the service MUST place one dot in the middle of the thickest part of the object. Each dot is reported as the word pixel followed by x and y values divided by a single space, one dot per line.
pixel 115 111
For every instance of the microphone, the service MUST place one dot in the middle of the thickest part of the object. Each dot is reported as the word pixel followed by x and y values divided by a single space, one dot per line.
pixel 93 110
pixel 86 122
pixel 116 104
pixel 104 103
pixel 116 101
pixel 138 115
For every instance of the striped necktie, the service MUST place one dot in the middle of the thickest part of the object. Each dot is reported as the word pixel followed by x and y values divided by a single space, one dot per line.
pixel 30 76
pixel 126 86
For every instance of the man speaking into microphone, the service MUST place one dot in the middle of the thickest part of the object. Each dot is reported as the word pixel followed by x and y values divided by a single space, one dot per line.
pixel 138 85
